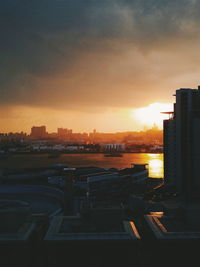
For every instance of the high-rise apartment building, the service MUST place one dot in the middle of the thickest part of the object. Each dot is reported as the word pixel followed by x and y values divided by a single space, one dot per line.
pixel 38 131
pixel 182 144
pixel 63 132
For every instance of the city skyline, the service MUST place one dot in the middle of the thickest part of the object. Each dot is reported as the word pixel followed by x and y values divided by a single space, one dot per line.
pixel 91 64
pixel 154 127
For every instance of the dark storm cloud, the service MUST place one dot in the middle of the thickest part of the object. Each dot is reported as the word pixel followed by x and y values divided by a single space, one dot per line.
pixel 73 52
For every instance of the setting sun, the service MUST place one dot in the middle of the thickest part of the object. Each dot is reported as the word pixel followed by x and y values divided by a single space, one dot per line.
pixel 150 115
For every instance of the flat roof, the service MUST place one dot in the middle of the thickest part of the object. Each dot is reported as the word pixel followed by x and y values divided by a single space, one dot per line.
pixel 57 232
pixel 22 234
pixel 170 228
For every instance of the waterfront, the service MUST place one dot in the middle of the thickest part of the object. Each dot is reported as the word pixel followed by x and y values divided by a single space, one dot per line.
pixel 154 161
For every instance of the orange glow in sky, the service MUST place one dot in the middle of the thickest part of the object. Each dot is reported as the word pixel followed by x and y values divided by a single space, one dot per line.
pixel 150 115
pixel 21 118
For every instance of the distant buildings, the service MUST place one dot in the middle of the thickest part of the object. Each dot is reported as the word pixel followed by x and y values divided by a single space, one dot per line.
pixel 64 132
pixel 38 131
pixel 65 140
pixel 114 147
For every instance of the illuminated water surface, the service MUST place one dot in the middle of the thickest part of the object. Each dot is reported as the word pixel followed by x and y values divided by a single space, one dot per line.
pixel 154 161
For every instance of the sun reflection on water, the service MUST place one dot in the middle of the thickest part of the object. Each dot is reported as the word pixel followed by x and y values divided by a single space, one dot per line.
pixel 155 166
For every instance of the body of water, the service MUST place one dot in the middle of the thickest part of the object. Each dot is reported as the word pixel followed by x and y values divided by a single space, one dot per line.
pixel 154 161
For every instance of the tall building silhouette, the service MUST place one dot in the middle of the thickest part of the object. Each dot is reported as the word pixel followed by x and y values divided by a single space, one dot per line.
pixel 38 131
pixel 182 144
pixel 177 229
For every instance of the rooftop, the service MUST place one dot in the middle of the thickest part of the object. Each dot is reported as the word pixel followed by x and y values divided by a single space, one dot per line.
pixel 73 228
pixel 170 228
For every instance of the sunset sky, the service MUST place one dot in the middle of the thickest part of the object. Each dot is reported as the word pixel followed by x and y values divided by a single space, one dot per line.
pixel 86 64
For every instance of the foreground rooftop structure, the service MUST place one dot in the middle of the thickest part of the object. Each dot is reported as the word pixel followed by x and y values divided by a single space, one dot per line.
pixel 70 239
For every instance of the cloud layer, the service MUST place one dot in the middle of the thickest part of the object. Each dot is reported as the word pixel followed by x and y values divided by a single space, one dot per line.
pixel 89 54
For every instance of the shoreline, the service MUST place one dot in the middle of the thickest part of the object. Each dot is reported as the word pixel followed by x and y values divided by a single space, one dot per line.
pixel 77 152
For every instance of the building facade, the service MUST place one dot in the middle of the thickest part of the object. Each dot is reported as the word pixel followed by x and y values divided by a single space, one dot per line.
pixel 182 143
pixel 38 131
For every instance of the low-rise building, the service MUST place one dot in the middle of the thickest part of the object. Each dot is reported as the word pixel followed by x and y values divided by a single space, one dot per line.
pixel 72 239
